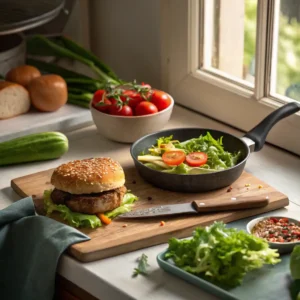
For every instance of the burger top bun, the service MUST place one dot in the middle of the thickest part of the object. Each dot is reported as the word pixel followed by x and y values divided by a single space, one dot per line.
pixel 94 175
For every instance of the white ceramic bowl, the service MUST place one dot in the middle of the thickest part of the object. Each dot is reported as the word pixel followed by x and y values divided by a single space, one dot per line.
pixel 129 129
pixel 282 247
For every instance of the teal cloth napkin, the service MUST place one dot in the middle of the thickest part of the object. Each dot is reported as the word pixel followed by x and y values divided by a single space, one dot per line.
pixel 30 247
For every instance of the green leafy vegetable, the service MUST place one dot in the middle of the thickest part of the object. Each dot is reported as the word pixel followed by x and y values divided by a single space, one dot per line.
pixel 85 84
pixel 126 206
pixel 79 98
pixel 157 150
pixel 154 166
pixel 40 45
pixel 164 140
pixel 295 262
pixel 221 255
pixel 185 169
pixel 218 158
pixel 295 289
pixel 76 48
pixel 73 218
pixel 295 273
pixel 55 69
pixel 142 266
pixel 84 220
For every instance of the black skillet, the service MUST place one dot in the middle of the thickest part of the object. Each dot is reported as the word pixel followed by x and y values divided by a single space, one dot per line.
pixel 254 140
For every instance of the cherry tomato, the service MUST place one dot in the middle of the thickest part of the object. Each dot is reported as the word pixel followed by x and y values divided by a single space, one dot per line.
pixel 132 98
pixel 100 102
pixel 145 108
pixel 124 110
pixel 173 158
pixel 161 100
pixel 196 159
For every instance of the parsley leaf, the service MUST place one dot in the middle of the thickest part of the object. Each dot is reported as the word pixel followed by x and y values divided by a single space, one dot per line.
pixel 142 266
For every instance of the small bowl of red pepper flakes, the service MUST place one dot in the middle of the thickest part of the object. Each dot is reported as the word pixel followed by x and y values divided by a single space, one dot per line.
pixel 282 233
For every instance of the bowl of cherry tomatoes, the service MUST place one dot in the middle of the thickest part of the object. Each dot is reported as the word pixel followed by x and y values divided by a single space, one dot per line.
pixel 126 113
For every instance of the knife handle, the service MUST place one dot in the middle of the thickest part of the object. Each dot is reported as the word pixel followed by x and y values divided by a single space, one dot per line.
pixel 230 203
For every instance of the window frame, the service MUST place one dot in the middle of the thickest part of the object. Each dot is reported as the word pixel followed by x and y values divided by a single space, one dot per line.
pixel 223 100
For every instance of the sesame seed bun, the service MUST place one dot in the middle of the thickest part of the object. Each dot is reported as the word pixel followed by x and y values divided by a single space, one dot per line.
pixel 87 176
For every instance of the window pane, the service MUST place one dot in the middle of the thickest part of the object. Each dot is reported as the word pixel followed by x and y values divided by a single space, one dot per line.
pixel 230 38
pixel 285 76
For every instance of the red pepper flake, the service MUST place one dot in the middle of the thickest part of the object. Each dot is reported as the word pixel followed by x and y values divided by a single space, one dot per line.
pixel 124 225
pixel 284 220
pixel 280 239
pixel 149 198
pixel 133 182
pixel 278 230
pixel 229 189
pixel 162 223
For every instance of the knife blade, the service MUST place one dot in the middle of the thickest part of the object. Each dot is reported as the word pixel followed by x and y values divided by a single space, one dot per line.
pixel 200 206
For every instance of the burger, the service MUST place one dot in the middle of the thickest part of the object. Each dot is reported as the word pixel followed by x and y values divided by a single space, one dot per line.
pixel 88 191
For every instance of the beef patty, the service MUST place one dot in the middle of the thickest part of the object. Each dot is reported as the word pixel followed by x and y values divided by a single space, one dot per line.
pixel 90 203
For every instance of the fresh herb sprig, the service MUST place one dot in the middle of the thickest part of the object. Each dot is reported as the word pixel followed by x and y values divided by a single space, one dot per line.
pixel 142 266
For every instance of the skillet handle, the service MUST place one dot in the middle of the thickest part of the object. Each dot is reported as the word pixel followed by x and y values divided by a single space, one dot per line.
pixel 259 133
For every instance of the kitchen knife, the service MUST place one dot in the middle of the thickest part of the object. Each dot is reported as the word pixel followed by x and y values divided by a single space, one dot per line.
pixel 200 206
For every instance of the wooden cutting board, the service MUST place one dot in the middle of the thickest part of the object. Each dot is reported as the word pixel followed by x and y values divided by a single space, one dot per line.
pixel 116 239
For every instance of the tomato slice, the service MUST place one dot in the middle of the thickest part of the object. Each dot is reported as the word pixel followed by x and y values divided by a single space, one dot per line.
pixel 196 159
pixel 173 158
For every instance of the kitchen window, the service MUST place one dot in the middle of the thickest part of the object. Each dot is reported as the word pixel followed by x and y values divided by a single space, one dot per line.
pixel 234 61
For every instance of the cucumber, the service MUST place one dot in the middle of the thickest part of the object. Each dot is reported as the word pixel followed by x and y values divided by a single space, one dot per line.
pixel 33 147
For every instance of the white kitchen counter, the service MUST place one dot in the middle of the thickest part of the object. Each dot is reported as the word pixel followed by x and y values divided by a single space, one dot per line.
pixel 110 279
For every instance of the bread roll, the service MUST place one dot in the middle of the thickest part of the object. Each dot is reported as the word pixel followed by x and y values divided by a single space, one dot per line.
pixel 48 92
pixel 23 74
pixel 93 175
pixel 14 100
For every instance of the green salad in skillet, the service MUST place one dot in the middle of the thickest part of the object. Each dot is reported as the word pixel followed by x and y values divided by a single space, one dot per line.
pixel 203 154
